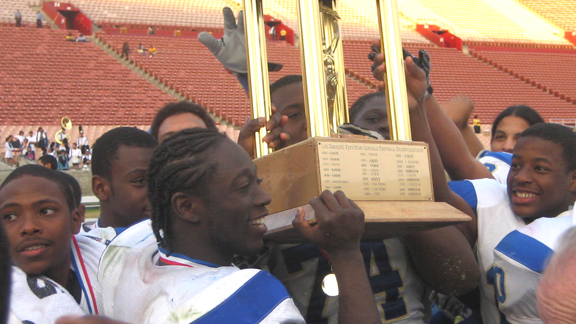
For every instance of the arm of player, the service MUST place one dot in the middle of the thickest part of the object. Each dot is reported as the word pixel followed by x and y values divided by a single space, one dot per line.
pixel 458 110
pixel 338 231
pixel 459 163
pixel 443 258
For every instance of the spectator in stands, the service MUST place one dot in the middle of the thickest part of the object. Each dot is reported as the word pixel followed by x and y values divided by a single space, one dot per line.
pixel 283 33
pixel 152 50
pixel 42 139
pixel 39 18
pixel 81 39
pixel 83 143
pixel 32 143
pixel 9 154
pixel 141 50
pixel 119 167
pixel 75 156
pixel 126 50
pixel 151 31
pixel 63 159
pixel 20 137
pixel 477 125
pixel 70 37
pixel 48 161
pixel 509 124
pixel 175 117
pixel 18 18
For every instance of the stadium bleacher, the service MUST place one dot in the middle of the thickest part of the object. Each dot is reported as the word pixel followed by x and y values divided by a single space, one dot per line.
pixel 561 12
pixel 9 8
pixel 92 88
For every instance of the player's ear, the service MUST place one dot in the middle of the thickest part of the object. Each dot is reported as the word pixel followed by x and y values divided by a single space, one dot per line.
pixel 101 188
pixel 572 175
pixel 187 207
pixel 76 221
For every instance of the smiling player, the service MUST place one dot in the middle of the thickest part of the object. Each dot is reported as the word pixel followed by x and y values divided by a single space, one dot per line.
pixel 208 206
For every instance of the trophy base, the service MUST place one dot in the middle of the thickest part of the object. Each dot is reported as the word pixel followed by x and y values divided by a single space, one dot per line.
pixel 383 219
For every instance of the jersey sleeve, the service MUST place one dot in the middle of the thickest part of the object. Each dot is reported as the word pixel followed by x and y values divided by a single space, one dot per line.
pixel 519 261
pixel 466 190
pixel 498 163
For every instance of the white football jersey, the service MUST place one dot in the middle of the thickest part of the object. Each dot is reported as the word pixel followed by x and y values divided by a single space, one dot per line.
pixel 143 284
pixel 520 260
pixel 489 199
pixel 498 163
pixel 399 292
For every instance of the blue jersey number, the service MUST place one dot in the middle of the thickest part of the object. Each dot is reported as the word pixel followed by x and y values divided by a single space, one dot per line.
pixel 495 277
pixel 385 282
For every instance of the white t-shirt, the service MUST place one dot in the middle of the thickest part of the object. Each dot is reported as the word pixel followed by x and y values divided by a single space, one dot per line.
pixel 31 142
pixel 82 141
pixel 9 150
pixel 75 156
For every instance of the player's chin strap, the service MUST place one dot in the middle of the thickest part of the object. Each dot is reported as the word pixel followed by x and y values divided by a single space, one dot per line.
pixel 83 278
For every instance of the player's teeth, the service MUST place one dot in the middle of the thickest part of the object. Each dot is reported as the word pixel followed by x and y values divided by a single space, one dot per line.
pixel 35 247
pixel 259 221
pixel 525 195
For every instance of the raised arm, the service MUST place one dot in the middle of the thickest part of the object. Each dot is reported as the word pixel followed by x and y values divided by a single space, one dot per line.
pixel 457 160
pixel 443 257
pixel 338 233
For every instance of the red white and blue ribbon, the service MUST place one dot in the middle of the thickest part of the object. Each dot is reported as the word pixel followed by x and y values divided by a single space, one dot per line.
pixel 83 278
pixel 177 259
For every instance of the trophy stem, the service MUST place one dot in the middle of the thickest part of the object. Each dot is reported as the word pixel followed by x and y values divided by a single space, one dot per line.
pixel 256 55
pixel 314 75
pixel 396 95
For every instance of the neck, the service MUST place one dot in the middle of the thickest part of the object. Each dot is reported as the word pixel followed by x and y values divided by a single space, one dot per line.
pixel 202 253
pixel 60 273
pixel 109 219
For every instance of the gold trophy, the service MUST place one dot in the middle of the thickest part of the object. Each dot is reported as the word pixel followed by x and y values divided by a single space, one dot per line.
pixel 389 180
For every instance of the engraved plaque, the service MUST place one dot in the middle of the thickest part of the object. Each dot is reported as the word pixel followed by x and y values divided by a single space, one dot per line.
pixel 376 171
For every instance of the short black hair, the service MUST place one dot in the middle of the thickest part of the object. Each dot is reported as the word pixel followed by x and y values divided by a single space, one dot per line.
pixel 36 170
pixel 47 158
pixel 74 186
pixel 360 104
pixel 180 164
pixel 285 81
pixel 559 134
pixel 530 115
pixel 176 108
pixel 5 277
pixel 105 149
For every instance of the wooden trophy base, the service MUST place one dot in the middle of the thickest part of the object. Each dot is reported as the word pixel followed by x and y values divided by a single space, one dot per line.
pixel 383 219
pixel 390 181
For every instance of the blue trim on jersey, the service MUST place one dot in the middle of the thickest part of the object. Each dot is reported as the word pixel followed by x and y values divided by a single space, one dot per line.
pixel 251 303
pixel 182 256
pixel 526 250
pixel 466 190
pixel 502 156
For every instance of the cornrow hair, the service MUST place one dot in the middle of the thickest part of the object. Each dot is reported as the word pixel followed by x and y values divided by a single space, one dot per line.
pixel 180 164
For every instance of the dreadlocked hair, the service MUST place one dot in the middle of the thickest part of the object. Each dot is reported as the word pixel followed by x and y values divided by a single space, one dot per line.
pixel 180 164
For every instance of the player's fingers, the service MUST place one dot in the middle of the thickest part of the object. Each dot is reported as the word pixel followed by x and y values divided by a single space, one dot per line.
pixel 209 41
pixel 330 201
pixel 342 199
pixel 274 121
pixel 229 19
pixel 301 224
pixel 240 26
pixel 321 211
pixel 414 69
